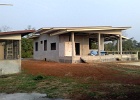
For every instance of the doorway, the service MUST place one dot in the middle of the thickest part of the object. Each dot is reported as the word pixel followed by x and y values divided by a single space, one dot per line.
pixel 77 48
pixel 1 51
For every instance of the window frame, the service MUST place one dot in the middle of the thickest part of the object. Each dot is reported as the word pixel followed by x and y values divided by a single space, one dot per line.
pixel 45 45
pixel 91 42
pixel 36 46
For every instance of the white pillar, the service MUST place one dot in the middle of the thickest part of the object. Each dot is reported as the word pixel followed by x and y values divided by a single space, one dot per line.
pixel 121 45
pixel 99 44
pixel 137 55
pixel 73 46
pixel 102 43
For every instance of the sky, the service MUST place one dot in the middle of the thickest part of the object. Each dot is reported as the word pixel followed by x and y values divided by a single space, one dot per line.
pixel 67 13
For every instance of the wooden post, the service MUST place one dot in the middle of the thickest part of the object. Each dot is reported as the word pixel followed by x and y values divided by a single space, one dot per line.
pixel 121 45
pixel 73 46
pixel 19 56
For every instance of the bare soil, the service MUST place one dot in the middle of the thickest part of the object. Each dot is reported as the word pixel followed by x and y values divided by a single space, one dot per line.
pixel 98 71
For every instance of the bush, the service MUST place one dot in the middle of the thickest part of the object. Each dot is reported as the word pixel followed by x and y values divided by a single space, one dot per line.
pixel 26 48
pixel 39 77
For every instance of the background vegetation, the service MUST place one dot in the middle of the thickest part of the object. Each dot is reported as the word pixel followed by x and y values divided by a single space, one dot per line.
pixel 27 48
pixel 128 45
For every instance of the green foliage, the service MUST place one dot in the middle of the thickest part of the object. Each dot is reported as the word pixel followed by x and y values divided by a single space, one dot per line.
pixel 94 45
pixel 27 48
pixel 110 46
pixel 131 45
pixel 127 45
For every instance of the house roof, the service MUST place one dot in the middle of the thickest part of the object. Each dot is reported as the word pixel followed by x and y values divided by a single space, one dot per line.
pixel 22 32
pixel 90 30
pixel 62 30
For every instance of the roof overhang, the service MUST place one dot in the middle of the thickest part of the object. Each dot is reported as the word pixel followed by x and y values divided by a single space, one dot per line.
pixel 63 30
pixel 22 32
pixel 113 37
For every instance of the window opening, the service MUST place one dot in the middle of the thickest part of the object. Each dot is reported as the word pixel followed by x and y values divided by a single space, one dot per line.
pixel 53 46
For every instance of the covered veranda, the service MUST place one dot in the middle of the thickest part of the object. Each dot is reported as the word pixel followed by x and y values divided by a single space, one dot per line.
pixel 100 34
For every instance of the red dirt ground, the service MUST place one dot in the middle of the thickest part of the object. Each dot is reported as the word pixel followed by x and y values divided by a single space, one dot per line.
pixel 97 71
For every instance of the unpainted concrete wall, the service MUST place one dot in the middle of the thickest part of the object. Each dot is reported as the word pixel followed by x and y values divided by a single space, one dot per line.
pixel 50 55
pixel 63 46
pixel 10 66
pixel 84 43
pixel 83 40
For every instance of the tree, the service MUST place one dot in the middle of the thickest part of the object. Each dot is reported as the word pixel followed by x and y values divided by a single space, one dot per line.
pixel 27 48
pixel 110 46
pixel 127 45
pixel 5 29
pixel 29 27
pixel 27 44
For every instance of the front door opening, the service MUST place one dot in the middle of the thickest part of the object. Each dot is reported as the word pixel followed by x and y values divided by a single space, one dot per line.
pixel 77 48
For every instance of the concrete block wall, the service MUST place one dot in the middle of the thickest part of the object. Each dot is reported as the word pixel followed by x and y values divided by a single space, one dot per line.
pixel 10 66
pixel 83 40
pixel 49 55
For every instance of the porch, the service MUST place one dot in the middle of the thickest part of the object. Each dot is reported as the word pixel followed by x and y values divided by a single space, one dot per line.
pixel 78 47
pixel 109 57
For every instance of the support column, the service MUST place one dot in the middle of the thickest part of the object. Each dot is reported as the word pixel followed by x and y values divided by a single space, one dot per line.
pixel 137 55
pixel 19 57
pixel 99 44
pixel 102 43
pixel 73 46
pixel 120 45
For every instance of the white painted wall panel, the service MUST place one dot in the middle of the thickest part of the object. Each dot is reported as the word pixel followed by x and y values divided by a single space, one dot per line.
pixel 11 37
pixel 68 48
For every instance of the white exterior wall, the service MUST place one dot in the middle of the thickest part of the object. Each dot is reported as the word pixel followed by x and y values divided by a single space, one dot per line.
pixel 65 49
pixel 50 55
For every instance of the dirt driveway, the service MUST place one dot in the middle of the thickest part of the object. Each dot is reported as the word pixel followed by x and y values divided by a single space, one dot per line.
pixel 97 71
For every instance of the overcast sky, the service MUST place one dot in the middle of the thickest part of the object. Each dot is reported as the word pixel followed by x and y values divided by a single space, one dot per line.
pixel 62 13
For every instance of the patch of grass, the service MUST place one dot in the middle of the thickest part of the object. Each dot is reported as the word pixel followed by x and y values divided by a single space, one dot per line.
pixel 67 87
pixel 127 70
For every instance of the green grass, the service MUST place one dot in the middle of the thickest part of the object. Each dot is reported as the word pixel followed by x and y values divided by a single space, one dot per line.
pixel 67 87
pixel 128 70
